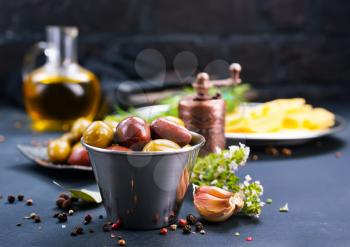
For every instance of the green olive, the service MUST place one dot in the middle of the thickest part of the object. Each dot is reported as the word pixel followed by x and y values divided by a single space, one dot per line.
pixel 160 145
pixel 79 126
pixel 58 150
pixel 111 123
pixel 98 134
pixel 176 120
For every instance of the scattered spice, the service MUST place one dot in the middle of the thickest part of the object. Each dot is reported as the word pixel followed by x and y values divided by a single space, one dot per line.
pixel 18 224
pixel 20 197
pixel 286 151
pixel 32 215
pixel 100 216
pixel 107 227
pixel 268 200
pixel 62 217
pixel 71 212
pixel 187 229
pixel 91 230
pixel 116 225
pixel 29 202
pixel 77 231
pixel 249 238
pixel 272 150
pixel 173 227
pixel 56 214
pixel 121 242
pixel 87 219
pixel 338 155
pixel 163 231
pixel 284 209
pixel 63 226
pixel 37 219
pixel 237 234
pixel 191 219
pixel 59 202
pixel 255 157
pixel 119 237
pixel 199 226
pixel 182 223
pixel 67 205
pixel 11 199
pixel 202 232
pixel 64 196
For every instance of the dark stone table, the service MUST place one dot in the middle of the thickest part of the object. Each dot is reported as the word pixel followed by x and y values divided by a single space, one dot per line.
pixel 313 181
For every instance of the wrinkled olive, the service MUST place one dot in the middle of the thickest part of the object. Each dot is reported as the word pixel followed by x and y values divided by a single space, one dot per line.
pixel 58 150
pixel 79 156
pixel 133 132
pixel 164 129
pixel 98 134
pixel 175 120
pixel 118 148
pixel 160 145
pixel 79 126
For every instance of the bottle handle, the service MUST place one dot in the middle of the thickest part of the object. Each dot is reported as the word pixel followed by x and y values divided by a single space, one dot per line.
pixel 30 57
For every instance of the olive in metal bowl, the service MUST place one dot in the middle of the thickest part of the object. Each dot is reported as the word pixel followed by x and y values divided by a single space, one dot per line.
pixel 79 156
pixel 117 147
pixel 133 133
pixel 160 145
pixel 162 128
pixel 98 134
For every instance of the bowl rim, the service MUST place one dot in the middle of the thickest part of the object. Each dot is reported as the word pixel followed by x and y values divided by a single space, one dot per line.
pixel 141 153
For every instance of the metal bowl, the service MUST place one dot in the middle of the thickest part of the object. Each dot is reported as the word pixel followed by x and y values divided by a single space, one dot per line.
pixel 144 190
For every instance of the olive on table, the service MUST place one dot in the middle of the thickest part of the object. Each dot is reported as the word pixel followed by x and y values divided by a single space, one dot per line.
pixel 160 145
pixel 162 128
pixel 133 132
pixel 79 156
pixel 79 126
pixel 69 137
pixel 175 120
pixel 98 134
pixel 58 150
pixel 118 148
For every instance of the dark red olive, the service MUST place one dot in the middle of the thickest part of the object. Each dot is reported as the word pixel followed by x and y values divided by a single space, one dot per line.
pixel 133 132
pixel 118 148
pixel 79 156
pixel 164 129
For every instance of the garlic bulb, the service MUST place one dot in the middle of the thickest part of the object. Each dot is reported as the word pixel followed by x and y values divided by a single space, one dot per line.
pixel 215 204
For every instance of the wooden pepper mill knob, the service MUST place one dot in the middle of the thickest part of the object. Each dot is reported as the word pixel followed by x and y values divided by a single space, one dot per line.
pixel 235 70
pixel 202 86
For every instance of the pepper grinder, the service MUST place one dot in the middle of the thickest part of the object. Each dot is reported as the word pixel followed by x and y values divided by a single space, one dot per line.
pixel 205 114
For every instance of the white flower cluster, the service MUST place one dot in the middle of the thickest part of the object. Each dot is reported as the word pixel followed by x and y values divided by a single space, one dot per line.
pixel 238 155
pixel 252 192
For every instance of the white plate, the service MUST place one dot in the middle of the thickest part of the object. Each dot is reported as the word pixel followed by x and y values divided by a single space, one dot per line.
pixel 257 139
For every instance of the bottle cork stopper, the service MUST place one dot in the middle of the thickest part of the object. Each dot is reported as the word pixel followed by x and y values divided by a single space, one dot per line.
pixel 235 70
pixel 202 85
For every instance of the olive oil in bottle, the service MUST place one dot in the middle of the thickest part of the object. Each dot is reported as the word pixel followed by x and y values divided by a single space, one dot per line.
pixel 60 91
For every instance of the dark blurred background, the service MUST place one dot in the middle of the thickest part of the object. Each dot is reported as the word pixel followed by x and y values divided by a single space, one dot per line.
pixel 286 47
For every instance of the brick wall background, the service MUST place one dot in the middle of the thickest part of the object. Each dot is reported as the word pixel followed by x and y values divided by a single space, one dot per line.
pixel 286 47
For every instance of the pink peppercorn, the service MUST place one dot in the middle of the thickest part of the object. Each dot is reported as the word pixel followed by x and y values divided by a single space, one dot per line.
pixel 163 231
pixel 250 238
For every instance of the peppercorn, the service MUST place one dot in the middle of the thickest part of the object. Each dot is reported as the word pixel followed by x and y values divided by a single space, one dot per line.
pixel 191 219
pixel 56 214
pixel 60 202
pixel 100 216
pixel 29 202
pixel 71 212
pixel 62 217
pixel 182 223
pixel 18 224
pixel 202 232
pixel 187 229
pixel 121 242
pixel 73 233
pixel 199 226
pixel 107 227
pixel 37 219
pixel 20 197
pixel 250 238
pixel 87 219
pixel 163 231
pixel 64 196
pixel 32 216
pixel 91 230
pixel 116 225
pixel 67 205
pixel 11 199
pixel 79 230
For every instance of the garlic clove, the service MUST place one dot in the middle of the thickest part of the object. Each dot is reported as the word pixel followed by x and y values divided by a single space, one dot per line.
pixel 215 204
